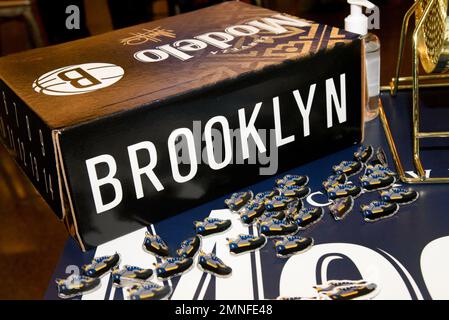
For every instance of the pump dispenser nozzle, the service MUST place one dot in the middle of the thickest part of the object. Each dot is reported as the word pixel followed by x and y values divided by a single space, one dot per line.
pixel 357 22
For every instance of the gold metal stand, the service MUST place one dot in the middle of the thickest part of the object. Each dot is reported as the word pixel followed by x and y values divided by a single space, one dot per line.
pixel 426 23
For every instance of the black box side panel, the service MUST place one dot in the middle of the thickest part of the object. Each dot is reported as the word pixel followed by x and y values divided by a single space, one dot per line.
pixel 29 140
pixel 112 136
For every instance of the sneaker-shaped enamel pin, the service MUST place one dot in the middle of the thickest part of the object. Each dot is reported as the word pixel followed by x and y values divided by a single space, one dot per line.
pixel 277 228
pixel 334 180
pixel 292 209
pixel 238 200
pixel 376 181
pixel 364 153
pixel 211 226
pixel 353 292
pixel 341 207
pixel 130 275
pixel 149 291
pixel 378 210
pixel 333 284
pixel 379 158
pixel 210 263
pixel 277 203
pixel 253 210
pixel 294 298
pixel 349 168
pixel 343 191
pixel 100 266
pixel 244 243
pixel 269 215
pixel 172 267
pixel 76 285
pixel 189 247
pixel 307 216
pixel 291 245
pixel 155 245
pixel 400 196
pixel 292 180
pixel 294 191
pixel 379 169
pixel 262 196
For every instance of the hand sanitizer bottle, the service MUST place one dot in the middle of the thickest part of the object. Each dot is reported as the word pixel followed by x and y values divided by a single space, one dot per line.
pixel 357 22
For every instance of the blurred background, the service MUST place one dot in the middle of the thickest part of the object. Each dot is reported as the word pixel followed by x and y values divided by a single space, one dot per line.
pixel 31 238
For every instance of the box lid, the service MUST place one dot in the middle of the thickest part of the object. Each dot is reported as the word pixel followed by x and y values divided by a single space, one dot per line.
pixel 79 81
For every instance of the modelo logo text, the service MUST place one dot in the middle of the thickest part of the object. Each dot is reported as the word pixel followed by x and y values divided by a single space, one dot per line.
pixel 183 49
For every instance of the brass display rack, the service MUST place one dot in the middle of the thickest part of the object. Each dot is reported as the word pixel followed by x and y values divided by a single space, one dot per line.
pixel 430 45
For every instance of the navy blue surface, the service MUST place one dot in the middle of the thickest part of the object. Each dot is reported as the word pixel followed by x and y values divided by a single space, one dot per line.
pixel 403 236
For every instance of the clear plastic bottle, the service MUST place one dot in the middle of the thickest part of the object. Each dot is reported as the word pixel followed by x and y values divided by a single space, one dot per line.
pixel 372 48
pixel 357 22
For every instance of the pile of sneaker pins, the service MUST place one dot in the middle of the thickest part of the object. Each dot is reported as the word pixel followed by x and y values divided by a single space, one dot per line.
pixel 278 214
pixel 377 176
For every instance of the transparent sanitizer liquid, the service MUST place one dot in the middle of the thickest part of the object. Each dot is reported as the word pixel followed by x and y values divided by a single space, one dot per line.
pixel 372 45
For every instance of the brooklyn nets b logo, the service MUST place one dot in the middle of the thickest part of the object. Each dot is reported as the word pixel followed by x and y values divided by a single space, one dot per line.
pixel 77 79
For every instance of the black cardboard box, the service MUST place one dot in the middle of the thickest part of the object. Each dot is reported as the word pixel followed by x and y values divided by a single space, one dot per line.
pixel 123 129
